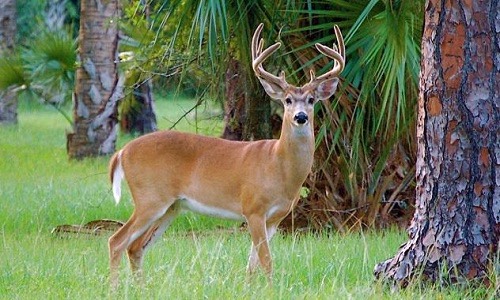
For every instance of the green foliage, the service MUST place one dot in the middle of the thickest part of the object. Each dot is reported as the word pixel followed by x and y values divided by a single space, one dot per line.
pixel 31 14
pixel 383 57
pixel 192 40
pixel 29 19
pixel 44 69
pixel 366 136
pixel 50 62
pixel 11 68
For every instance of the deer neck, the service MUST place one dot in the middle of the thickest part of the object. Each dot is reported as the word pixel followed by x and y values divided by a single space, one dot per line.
pixel 296 148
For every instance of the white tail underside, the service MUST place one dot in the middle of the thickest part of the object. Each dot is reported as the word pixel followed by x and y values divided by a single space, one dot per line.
pixel 117 179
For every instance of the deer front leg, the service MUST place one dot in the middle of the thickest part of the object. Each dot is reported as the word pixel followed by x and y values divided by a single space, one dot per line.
pixel 260 245
pixel 253 259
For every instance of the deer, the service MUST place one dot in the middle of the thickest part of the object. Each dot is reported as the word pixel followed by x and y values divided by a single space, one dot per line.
pixel 258 182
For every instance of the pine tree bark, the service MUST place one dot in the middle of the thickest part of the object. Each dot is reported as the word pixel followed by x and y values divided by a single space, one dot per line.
pixel 98 86
pixel 454 234
pixel 8 98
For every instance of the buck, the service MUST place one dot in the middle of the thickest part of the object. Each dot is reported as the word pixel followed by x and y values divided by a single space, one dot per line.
pixel 257 181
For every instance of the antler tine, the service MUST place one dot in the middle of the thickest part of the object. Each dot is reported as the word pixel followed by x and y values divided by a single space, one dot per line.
pixel 337 53
pixel 255 42
pixel 258 57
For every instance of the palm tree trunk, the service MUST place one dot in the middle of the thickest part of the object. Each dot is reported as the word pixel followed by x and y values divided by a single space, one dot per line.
pixel 234 105
pixel 455 232
pixel 140 117
pixel 257 125
pixel 8 99
pixel 98 86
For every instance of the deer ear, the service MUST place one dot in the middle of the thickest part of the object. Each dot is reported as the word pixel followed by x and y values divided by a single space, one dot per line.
pixel 273 90
pixel 326 88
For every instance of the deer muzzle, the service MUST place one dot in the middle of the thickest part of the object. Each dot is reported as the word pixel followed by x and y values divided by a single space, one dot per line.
pixel 301 118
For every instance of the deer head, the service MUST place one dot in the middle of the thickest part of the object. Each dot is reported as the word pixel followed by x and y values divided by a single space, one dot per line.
pixel 298 99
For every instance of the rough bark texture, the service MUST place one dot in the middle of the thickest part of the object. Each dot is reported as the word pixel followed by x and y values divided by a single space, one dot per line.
pixel 98 86
pixel 234 106
pixel 258 113
pixel 454 234
pixel 7 25
pixel 8 99
pixel 247 109
pixel 140 117
pixel 55 14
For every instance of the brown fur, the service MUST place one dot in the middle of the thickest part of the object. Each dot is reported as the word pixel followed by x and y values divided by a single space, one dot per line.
pixel 258 181
pixel 113 163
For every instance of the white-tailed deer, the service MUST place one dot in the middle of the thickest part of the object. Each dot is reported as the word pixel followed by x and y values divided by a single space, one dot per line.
pixel 259 181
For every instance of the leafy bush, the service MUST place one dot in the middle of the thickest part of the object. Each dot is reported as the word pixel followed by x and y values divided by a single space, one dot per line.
pixel 44 68
pixel 365 156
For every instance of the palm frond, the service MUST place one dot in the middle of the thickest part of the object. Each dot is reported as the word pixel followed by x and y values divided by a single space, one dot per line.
pixel 11 68
pixel 367 133
pixel 50 61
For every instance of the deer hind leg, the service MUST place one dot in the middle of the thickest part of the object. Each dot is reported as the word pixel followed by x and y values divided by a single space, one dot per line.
pixel 137 248
pixel 128 233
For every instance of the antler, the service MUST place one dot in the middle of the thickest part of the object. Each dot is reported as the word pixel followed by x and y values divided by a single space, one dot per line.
pixel 258 56
pixel 338 54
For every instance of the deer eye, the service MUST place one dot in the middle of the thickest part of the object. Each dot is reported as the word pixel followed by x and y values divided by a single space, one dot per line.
pixel 288 101
pixel 310 100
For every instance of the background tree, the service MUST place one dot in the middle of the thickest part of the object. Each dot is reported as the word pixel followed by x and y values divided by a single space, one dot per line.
pixel 8 99
pixel 137 113
pixel 43 64
pixel 365 155
pixel 455 232
pixel 98 86
pixel 204 36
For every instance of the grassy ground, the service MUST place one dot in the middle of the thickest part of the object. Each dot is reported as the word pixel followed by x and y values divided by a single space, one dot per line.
pixel 197 258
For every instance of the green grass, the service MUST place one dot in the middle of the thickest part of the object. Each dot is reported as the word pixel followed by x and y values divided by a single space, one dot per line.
pixel 40 189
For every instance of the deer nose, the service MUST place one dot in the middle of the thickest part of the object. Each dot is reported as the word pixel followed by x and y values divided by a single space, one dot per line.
pixel 300 117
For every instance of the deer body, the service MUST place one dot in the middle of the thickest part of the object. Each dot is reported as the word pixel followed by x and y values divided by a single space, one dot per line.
pixel 188 169
pixel 258 182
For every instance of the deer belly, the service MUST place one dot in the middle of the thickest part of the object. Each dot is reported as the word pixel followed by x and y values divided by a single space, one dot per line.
pixel 209 210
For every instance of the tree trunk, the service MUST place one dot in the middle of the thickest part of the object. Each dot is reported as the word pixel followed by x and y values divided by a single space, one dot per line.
pixel 55 14
pixel 257 122
pixel 258 113
pixel 234 106
pixel 454 234
pixel 247 109
pixel 8 99
pixel 140 117
pixel 98 86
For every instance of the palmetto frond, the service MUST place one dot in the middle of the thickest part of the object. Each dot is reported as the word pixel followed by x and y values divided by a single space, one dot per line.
pixel 45 68
pixel 366 137
pixel 50 61
pixel 11 68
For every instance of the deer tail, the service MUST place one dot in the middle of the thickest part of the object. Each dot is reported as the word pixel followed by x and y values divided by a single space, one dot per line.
pixel 116 175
